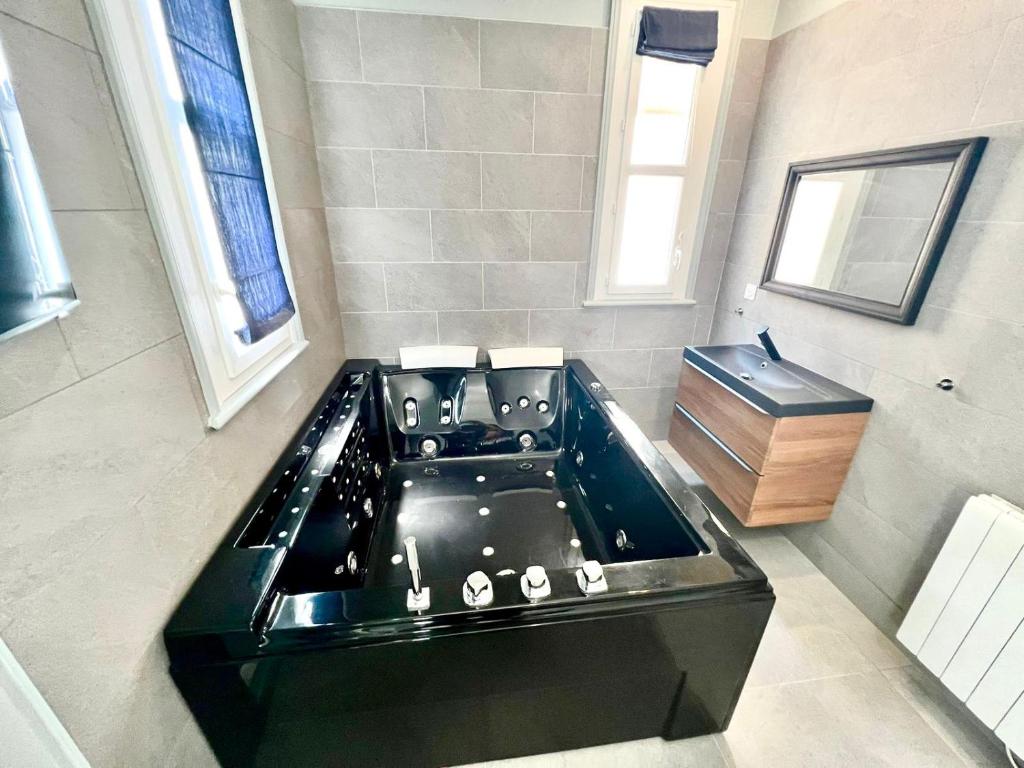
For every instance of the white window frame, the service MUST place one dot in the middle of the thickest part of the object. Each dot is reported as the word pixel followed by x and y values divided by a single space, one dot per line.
pixel 167 161
pixel 707 128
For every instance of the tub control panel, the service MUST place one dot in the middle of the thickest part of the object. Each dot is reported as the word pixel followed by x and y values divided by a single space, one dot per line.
pixel 534 585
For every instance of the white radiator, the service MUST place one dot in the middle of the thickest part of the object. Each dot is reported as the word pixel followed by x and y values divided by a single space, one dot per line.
pixel 967 623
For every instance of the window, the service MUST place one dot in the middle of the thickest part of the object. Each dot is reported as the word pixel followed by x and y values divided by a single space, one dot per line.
pixel 660 137
pixel 182 76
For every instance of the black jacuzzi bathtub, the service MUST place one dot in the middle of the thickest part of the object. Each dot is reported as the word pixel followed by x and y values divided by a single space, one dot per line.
pixel 304 641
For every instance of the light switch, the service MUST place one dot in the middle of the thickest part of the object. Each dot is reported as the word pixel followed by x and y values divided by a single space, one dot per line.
pixel 750 292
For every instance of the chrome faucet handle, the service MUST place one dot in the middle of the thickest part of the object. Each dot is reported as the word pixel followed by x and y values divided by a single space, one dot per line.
pixel 418 597
pixel 477 591
pixel 590 578
pixel 534 583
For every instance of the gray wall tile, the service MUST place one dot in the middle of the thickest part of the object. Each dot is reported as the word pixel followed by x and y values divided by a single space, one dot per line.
pixel 649 407
pixel 150 391
pixel 374 234
pixel 618 368
pixel 119 277
pixel 471 119
pixel 534 57
pixel 367 115
pixel 434 286
pixel 909 497
pixel 330 43
pixel 739 125
pixel 59 17
pixel 305 235
pixel 712 258
pixel 598 59
pixel 567 124
pixel 317 301
pixel 427 179
pixel 276 25
pixel 979 272
pixel 428 50
pixel 486 329
pixel 294 167
pixel 347 177
pixel 361 287
pixel 556 236
pixel 480 235
pixel 588 191
pixel 702 329
pixel 524 182
pixel 643 327
pixel 572 328
pixel 994 195
pixel 380 334
pixel 281 92
pixel 665 366
pixel 528 286
pixel 749 70
pixel 68 114
pixel 33 366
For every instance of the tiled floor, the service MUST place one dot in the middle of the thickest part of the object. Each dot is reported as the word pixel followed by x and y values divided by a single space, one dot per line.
pixel 827 689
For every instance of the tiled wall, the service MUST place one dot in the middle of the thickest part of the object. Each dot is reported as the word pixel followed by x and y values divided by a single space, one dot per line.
pixel 913 72
pixel 458 161
pixel 112 494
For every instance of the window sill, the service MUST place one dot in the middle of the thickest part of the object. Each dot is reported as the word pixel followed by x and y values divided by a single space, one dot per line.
pixel 251 388
pixel 639 302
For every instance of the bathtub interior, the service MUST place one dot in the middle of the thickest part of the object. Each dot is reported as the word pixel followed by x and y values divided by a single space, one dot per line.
pixel 483 502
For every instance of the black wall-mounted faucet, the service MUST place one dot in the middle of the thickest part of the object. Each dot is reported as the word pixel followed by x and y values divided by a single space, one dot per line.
pixel 768 344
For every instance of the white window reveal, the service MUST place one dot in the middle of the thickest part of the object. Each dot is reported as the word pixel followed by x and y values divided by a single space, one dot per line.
pixel 183 77
pixel 663 120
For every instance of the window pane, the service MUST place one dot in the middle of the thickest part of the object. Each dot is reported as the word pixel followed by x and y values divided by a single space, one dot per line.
pixel 648 230
pixel 661 133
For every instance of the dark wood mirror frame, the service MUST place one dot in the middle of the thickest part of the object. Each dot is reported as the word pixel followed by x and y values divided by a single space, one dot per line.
pixel 964 154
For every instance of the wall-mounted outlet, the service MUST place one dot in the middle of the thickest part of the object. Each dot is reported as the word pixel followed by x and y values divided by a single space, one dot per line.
pixel 750 292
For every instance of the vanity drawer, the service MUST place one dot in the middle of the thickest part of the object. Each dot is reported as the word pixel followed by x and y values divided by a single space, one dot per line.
pixel 725 473
pixel 802 477
pixel 742 426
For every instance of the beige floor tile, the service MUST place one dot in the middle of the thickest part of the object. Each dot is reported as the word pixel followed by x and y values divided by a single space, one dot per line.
pixel 701 752
pixel 945 718
pixel 855 720
pixel 800 644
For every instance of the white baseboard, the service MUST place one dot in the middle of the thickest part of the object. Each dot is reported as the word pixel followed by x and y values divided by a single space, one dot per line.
pixel 32 734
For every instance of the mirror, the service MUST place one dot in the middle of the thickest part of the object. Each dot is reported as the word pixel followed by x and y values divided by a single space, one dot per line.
pixel 35 285
pixel 865 232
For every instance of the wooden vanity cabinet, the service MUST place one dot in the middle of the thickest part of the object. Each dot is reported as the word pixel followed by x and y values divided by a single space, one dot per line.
pixel 766 470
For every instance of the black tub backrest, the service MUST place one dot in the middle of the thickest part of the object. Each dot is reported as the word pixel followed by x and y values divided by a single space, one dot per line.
pixel 472 412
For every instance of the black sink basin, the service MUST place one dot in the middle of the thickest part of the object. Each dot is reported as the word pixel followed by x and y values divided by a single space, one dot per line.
pixel 780 388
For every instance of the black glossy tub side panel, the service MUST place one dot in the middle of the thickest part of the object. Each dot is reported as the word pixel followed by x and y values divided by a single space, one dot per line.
pixel 673 672
pixel 214 619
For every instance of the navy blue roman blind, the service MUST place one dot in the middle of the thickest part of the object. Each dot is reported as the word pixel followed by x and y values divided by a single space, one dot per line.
pixel 205 47
pixel 688 37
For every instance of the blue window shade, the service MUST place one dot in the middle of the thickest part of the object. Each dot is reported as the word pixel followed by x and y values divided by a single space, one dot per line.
pixel 688 37
pixel 205 50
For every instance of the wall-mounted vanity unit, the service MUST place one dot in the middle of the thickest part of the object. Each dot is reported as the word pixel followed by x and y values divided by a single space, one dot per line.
pixel 771 439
